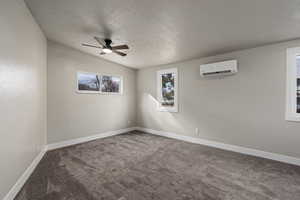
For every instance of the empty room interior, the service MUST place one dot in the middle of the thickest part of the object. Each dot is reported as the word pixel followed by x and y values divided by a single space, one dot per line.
pixel 149 100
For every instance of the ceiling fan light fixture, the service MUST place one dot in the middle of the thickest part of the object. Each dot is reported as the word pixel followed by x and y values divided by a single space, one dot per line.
pixel 107 50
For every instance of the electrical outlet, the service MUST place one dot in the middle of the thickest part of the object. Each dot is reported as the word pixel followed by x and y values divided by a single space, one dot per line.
pixel 197 131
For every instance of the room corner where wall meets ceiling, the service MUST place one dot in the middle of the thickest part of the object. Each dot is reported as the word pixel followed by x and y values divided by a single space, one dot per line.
pixel 23 61
pixel 246 109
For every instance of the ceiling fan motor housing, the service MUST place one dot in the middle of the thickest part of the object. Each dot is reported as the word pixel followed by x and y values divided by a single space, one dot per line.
pixel 108 43
pixel 107 48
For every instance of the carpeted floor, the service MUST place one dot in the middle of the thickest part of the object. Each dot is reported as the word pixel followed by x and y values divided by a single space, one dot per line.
pixel 138 166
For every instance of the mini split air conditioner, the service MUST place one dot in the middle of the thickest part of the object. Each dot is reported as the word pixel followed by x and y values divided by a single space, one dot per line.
pixel 219 69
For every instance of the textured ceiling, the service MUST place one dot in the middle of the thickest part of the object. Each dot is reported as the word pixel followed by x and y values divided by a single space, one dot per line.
pixel 166 31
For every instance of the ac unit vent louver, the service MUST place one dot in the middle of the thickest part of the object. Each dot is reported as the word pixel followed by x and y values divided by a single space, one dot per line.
pixel 219 68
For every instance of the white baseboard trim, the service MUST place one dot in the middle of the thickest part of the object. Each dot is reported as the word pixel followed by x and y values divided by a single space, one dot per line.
pixel 88 138
pixel 21 181
pixel 229 147
pixel 273 156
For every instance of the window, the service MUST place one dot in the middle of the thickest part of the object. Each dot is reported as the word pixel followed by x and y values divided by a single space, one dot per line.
pixel 111 84
pixel 293 84
pixel 167 90
pixel 298 84
pixel 95 83
pixel 88 82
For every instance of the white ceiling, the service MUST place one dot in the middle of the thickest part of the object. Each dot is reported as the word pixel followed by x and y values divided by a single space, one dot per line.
pixel 166 31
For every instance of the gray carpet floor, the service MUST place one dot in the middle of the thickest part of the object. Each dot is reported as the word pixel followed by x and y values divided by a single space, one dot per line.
pixel 138 166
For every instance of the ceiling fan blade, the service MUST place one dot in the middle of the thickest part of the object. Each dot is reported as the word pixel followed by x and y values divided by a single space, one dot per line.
pixel 120 47
pixel 99 41
pixel 89 45
pixel 119 53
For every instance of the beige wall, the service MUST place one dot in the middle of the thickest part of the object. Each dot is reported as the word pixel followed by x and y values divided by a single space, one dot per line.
pixel 72 115
pixel 247 109
pixel 22 91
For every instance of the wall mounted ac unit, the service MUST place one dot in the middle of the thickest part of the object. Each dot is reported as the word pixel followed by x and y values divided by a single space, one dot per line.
pixel 219 69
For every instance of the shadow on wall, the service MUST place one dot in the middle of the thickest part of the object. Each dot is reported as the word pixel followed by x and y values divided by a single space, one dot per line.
pixel 162 120
pixel 184 122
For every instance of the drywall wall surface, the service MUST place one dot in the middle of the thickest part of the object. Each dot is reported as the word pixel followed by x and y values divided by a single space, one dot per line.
pixel 246 109
pixel 23 52
pixel 72 115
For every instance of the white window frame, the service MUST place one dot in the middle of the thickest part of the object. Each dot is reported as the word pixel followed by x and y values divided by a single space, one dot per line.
pixel 159 92
pixel 291 85
pixel 85 91
pixel 112 93
pixel 100 79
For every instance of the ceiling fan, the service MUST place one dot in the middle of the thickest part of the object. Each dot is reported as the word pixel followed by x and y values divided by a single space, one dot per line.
pixel 105 46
